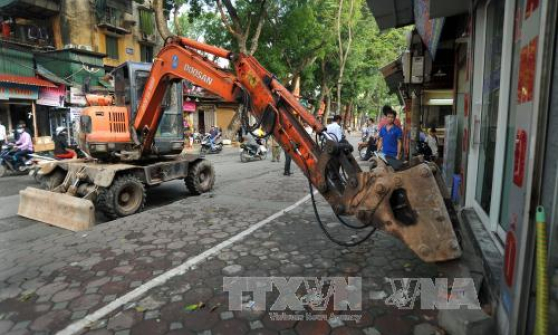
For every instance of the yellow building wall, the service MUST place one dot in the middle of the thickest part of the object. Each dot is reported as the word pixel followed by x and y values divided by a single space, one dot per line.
pixel 124 42
pixel 224 117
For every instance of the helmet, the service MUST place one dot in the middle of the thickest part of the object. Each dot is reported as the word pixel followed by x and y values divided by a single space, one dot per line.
pixel 60 130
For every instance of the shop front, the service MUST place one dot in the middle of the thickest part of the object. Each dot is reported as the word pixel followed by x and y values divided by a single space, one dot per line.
pixel 19 105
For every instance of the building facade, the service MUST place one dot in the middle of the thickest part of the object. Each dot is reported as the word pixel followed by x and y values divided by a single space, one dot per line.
pixel 503 60
pixel 62 49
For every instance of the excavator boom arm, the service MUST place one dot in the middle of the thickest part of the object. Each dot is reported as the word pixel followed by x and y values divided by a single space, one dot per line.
pixel 406 204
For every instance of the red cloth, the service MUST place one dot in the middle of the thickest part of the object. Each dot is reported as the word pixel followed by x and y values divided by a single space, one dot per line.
pixel 68 155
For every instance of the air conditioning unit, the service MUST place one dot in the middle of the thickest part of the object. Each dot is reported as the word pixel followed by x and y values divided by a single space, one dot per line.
pixel 417 68
pixel 147 37
pixel 85 47
pixel 129 18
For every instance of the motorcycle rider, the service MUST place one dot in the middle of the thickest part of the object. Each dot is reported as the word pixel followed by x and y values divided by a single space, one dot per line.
pixel 250 142
pixel 213 134
pixel 61 150
pixel 372 132
pixel 3 135
pixel 24 145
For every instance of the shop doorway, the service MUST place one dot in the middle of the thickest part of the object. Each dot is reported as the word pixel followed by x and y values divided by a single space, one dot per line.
pixel 201 122
pixel 491 94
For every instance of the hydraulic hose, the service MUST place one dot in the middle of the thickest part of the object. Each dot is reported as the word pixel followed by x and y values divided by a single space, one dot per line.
pixel 541 315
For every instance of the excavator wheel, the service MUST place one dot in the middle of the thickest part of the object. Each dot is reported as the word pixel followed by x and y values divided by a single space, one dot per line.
pixel 52 180
pixel 124 197
pixel 201 177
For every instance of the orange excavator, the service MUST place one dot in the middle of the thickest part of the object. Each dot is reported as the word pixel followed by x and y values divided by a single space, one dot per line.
pixel 409 204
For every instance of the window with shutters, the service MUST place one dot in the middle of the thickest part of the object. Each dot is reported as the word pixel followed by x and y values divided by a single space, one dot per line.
pixel 146 53
pixel 146 21
pixel 112 47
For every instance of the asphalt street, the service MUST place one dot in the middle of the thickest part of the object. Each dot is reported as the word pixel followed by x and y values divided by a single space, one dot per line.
pixel 161 271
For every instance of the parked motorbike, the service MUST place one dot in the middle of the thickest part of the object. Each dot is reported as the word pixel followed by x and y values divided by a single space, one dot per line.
pixel 362 147
pixel 423 149
pixel 7 165
pixel 207 148
pixel 248 154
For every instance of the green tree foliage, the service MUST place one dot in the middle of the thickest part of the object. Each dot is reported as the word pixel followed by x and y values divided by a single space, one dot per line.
pixel 300 39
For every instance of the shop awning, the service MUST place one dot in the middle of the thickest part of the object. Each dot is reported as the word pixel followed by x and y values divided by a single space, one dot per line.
pixel 31 81
pixel 392 13
pixel 43 72
pixel 393 75
pixel 445 8
pixel 399 13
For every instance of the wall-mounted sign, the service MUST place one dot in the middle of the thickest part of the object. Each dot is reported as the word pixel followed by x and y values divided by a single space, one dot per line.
pixel 75 112
pixel 130 51
pixel 52 96
pixel 77 97
pixel 14 91
pixel 189 106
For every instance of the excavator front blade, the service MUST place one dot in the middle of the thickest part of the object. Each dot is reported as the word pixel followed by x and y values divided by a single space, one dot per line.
pixel 58 209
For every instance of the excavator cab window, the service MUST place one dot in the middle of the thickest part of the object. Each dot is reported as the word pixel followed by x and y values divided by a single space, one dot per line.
pixel 171 124
pixel 121 86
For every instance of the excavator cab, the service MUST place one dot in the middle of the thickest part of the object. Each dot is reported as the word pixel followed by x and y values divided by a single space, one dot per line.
pixel 130 79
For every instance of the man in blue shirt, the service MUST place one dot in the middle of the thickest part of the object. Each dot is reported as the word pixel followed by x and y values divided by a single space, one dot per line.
pixel 390 142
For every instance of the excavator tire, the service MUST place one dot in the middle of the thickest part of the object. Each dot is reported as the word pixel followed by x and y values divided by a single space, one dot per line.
pixel 53 180
pixel 201 177
pixel 124 197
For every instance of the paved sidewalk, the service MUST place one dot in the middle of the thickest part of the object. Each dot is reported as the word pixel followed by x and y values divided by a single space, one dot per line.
pixel 56 280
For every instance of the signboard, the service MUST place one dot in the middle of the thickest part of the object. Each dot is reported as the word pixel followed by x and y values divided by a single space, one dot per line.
pixel 52 96
pixel 77 97
pixel 75 112
pixel 14 91
pixel 429 30
pixel 189 106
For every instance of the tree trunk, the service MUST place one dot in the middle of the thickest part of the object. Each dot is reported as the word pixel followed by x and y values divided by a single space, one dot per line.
pixel 160 20
pixel 177 27
pixel 346 117
pixel 327 108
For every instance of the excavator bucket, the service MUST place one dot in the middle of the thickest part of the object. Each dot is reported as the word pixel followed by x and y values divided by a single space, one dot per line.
pixel 58 209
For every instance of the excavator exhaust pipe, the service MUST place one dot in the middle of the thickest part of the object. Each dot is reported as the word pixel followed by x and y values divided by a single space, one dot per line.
pixel 57 209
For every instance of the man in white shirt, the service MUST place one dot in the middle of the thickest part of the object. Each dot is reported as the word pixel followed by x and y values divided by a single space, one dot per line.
pixel 3 137
pixel 334 129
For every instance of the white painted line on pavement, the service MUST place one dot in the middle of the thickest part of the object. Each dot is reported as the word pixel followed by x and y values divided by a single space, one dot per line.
pixel 79 325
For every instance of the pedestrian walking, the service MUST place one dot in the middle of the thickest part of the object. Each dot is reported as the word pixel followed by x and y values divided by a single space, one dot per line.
pixel 275 150
pixel 390 142
pixel 3 135
pixel 432 141
pixel 334 129
pixel 287 169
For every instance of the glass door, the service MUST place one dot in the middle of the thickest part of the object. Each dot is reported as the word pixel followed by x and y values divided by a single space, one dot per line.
pixel 490 102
